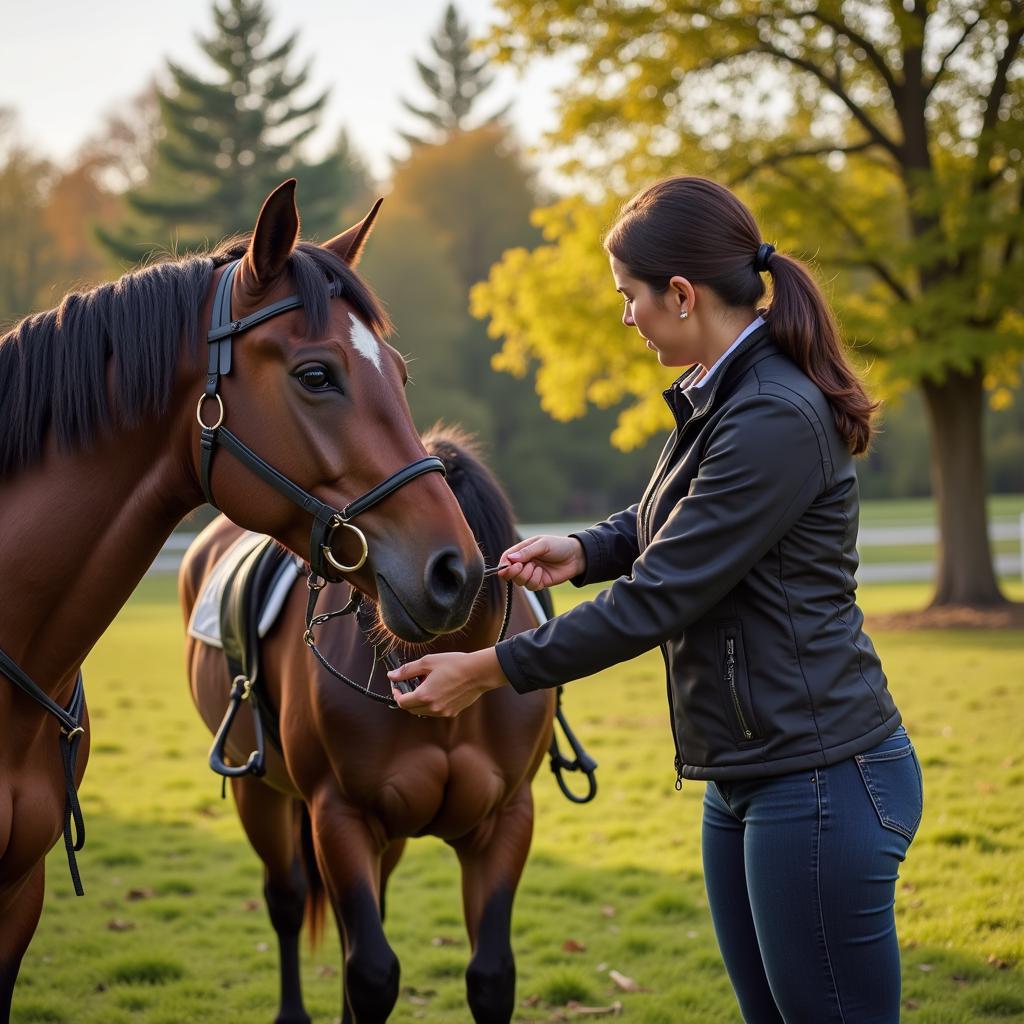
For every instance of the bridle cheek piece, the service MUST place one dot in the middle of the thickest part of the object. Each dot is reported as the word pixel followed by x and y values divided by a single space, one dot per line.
pixel 327 520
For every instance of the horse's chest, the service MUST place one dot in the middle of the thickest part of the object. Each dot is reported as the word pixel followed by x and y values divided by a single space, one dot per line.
pixel 430 791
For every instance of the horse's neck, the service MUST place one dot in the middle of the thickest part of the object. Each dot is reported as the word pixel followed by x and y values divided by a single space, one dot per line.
pixel 79 531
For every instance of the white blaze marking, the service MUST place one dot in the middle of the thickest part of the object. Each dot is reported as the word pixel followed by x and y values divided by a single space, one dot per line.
pixel 365 342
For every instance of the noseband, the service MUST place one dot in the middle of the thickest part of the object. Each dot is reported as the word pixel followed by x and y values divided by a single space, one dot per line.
pixel 326 519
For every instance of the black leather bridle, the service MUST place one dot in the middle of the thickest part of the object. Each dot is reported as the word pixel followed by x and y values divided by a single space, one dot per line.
pixel 326 518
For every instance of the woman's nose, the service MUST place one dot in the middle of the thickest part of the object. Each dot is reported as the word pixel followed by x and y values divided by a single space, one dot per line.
pixel 627 318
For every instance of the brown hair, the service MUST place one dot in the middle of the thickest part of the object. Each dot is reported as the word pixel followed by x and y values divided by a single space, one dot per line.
pixel 698 229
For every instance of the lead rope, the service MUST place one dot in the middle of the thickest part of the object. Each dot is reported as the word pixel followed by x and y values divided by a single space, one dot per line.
pixel 316 584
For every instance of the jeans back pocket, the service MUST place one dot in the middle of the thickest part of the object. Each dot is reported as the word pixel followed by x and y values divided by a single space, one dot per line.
pixel 893 781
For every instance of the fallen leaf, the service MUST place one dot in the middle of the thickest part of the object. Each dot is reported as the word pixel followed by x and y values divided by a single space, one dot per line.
pixel 608 910
pixel 531 1001
pixel 960 979
pixel 594 1011
pixel 624 982
pixel 925 967
pixel 118 924
pixel 326 971
pixel 910 1004
pixel 140 894
pixel 999 965
pixel 443 940
pixel 252 905
pixel 262 947
pixel 572 946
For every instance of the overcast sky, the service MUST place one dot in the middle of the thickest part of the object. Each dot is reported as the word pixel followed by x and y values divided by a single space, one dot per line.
pixel 67 63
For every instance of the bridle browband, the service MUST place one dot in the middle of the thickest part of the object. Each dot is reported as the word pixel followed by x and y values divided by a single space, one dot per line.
pixel 326 518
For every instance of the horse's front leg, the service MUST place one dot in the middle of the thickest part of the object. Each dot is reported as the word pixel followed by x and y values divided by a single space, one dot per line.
pixel 350 861
pixel 18 920
pixel 389 861
pixel 492 858
pixel 270 821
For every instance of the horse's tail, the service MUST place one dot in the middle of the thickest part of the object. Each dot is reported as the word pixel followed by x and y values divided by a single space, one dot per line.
pixel 315 891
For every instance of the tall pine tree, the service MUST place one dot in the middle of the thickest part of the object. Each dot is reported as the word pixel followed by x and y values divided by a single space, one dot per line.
pixel 455 82
pixel 227 140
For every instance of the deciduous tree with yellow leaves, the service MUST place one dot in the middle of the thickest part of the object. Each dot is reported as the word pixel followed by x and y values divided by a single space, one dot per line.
pixel 883 139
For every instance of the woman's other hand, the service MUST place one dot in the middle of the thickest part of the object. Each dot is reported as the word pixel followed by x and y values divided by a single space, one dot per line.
pixel 451 682
pixel 544 561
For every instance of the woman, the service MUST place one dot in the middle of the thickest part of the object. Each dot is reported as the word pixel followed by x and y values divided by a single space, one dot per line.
pixel 739 562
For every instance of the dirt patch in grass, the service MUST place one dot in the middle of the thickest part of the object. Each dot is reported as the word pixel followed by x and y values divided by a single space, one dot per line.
pixel 1006 616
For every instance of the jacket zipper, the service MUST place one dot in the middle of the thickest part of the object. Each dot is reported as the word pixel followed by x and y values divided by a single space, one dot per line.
pixel 730 678
pixel 678 762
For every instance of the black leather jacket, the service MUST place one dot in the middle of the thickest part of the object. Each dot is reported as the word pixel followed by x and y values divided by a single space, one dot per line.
pixel 739 562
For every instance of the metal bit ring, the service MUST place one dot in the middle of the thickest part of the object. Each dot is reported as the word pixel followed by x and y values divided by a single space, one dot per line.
pixel 329 554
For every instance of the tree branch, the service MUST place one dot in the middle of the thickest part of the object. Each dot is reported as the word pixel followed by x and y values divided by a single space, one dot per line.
pixel 947 56
pixel 873 263
pixel 995 97
pixel 835 87
pixel 842 29
pixel 774 159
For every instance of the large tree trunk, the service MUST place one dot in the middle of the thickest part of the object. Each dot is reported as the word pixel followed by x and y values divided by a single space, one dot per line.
pixel 955 413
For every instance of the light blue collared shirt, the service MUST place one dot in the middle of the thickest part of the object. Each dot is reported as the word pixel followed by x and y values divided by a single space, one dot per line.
pixel 752 326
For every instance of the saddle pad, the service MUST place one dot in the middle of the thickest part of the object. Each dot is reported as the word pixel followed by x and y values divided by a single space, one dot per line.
pixel 538 608
pixel 204 623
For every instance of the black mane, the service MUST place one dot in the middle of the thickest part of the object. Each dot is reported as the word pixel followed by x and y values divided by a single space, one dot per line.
pixel 53 365
pixel 481 498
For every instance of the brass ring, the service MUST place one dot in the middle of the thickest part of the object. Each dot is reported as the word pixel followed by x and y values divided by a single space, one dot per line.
pixel 329 555
pixel 220 408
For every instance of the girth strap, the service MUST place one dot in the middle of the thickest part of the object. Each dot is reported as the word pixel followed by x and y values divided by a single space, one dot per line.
pixel 71 734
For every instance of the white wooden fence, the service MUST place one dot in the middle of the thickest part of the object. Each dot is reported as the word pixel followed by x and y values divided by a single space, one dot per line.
pixel 871 571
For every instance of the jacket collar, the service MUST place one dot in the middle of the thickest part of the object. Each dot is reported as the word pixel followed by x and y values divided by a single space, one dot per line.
pixel 682 396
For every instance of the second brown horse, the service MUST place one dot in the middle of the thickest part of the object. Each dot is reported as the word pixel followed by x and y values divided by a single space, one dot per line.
pixel 366 777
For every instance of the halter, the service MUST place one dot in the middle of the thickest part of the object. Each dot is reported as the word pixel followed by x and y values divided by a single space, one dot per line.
pixel 326 518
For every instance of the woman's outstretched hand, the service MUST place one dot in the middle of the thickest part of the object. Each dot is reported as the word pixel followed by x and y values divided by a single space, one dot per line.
pixel 451 682
pixel 544 561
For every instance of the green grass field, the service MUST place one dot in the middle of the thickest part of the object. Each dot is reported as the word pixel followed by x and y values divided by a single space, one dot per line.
pixel 172 928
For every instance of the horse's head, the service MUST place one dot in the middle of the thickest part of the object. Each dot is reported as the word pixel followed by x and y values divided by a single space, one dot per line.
pixel 489 513
pixel 316 391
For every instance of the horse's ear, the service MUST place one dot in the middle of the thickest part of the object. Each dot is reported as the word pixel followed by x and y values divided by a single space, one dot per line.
pixel 275 235
pixel 349 244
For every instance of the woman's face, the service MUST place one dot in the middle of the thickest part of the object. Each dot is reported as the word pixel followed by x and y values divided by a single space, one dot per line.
pixel 656 315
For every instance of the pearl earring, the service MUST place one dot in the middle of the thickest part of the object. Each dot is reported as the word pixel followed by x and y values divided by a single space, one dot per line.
pixel 683 315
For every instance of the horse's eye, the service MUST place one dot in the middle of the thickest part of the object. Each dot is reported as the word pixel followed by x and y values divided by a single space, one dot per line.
pixel 314 378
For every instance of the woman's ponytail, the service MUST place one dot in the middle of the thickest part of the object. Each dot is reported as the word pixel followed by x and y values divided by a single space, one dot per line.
pixel 697 228
pixel 802 325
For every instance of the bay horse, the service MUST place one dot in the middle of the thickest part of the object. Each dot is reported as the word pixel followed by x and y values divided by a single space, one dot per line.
pixel 352 780
pixel 103 451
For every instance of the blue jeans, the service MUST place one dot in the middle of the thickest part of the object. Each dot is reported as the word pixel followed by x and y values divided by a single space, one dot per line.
pixel 801 878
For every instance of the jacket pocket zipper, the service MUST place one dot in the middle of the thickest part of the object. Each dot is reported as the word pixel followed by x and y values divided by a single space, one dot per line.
pixel 730 679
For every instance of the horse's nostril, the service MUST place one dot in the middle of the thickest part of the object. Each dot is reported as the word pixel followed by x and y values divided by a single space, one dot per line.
pixel 446 576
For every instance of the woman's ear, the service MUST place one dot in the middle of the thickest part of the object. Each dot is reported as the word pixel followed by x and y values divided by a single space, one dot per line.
pixel 681 294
